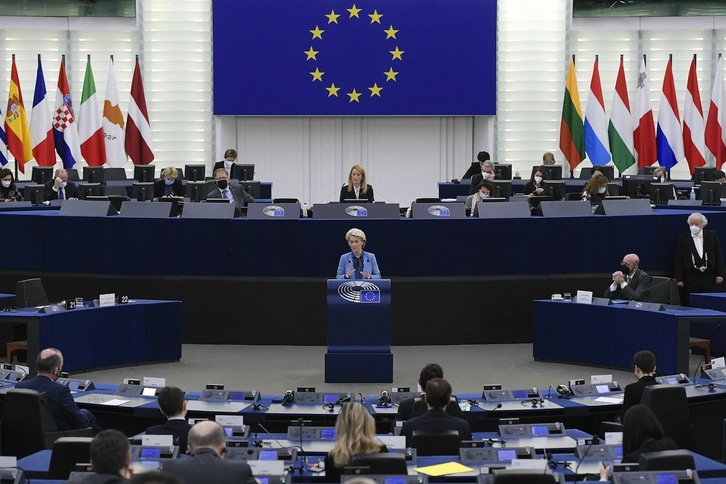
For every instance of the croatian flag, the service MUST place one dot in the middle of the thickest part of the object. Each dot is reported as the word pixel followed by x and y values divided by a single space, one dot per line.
pixel 596 122
pixel 65 127
pixel 669 138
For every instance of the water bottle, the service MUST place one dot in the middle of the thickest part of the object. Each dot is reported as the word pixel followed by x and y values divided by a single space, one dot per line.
pixel 516 174
pixel 692 196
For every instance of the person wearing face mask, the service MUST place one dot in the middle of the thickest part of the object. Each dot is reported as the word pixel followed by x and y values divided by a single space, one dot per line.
pixel 662 175
pixel 228 163
pixel 534 186
pixel 596 189
pixel 698 265
pixel 483 191
pixel 235 194
pixel 8 191
pixel 629 282
pixel 59 188
pixel 65 411
pixel 487 173
pixel 169 185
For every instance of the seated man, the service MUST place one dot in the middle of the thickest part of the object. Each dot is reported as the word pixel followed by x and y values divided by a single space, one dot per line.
pixel 59 188
pixel 644 369
pixel 438 396
pixel 629 282
pixel 110 459
pixel 235 194
pixel 206 446
pixel 66 413
pixel 416 406
pixel 173 406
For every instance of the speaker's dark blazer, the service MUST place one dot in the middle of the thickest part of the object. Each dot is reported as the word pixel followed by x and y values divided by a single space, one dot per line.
pixel 206 467
pixel 177 190
pixel 683 265
pixel 436 420
pixel 639 282
pixel 634 391
pixel 178 428
pixel 71 191
pixel 66 413
pixel 346 195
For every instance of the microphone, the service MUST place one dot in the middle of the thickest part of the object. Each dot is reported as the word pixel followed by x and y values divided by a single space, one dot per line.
pixel 288 398
pixel 474 403
pixel 344 399
pixel 384 399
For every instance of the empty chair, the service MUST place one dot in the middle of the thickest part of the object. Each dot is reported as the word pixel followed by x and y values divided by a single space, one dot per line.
pixel 94 174
pixel 436 443
pixel 67 452
pixel 115 174
pixel 73 174
pixel 30 292
pixel 144 173
pixel 670 406
pixel 662 290
pixel 42 174
pixel 666 460
pixel 390 464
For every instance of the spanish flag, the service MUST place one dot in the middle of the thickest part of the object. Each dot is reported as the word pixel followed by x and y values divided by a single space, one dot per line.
pixel 16 123
pixel 572 132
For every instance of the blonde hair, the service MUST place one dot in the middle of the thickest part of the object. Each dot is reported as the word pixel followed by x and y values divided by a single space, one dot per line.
pixel 170 172
pixel 355 433
pixel 356 233
pixel 363 182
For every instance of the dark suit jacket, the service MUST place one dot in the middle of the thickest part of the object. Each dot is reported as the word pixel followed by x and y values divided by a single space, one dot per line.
pixel 178 428
pixel 634 391
pixel 345 194
pixel 473 169
pixel 333 473
pixel 436 420
pixel 232 170
pixel 177 190
pixel 639 282
pixel 241 197
pixel 683 265
pixel 102 479
pixel 205 467
pixel 416 406
pixel 71 191
pixel 66 413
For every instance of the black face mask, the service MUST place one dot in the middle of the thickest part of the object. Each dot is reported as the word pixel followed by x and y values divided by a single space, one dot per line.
pixel 222 184
pixel 625 269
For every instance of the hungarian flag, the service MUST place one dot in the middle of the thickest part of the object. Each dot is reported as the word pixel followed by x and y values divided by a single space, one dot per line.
pixel 596 122
pixel 41 128
pixel 16 123
pixel 113 123
pixel 572 136
pixel 694 143
pixel 65 127
pixel 90 131
pixel 644 134
pixel 669 138
pixel 139 143
pixel 715 139
pixel 620 129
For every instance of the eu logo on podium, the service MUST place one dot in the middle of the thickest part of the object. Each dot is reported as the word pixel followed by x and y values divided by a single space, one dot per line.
pixel 370 296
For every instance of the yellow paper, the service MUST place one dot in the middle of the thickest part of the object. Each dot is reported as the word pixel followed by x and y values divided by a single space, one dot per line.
pixel 443 469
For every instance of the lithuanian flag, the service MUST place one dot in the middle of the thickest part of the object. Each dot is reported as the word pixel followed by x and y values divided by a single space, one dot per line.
pixel 572 132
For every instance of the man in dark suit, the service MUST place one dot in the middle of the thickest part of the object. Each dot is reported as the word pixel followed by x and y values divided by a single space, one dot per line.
pixel 59 188
pixel 206 445
pixel 66 413
pixel 438 395
pixel 698 265
pixel 416 406
pixel 644 369
pixel 629 282
pixel 236 194
pixel 173 406
pixel 475 167
pixel 110 459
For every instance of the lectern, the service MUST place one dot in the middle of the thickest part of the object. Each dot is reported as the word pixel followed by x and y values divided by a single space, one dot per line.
pixel 359 331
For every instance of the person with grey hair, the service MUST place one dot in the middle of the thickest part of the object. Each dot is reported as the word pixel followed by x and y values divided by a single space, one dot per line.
pixel 487 173
pixel 357 264
pixel 59 188
pixel 206 447
pixel 698 265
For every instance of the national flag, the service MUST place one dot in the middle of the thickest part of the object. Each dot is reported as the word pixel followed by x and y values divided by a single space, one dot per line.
pixel 65 127
pixel 41 128
pixel 572 135
pixel 644 134
pixel 113 123
pixel 596 122
pixel 16 123
pixel 90 131
pixel 694 143
pixel 669 138
pixel 715 135
pixel 620 128
pixel 139 142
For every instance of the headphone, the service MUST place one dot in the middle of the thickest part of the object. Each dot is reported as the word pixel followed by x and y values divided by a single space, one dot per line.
pixel 711 387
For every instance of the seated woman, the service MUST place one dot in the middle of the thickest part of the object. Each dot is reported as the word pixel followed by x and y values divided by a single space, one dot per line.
pixel 8 191
pixel 534 186
pixel 483 190
pixel 357 187
pixel 355 434
pixel 643 433
pixel 596 189
pixel 169 185
pixel 487 173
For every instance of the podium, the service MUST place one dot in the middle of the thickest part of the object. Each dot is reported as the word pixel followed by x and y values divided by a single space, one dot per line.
pixel 359 331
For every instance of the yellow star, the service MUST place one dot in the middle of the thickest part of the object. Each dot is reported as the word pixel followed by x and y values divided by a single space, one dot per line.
pixel 332 90
pixel 354 96
pixel 311 54
pixel 375 90
pixel 375 17
pixel 317 75
pixel 391 32
pixel 391 75
pixel 332 17
pixel 317 33
pixel 396 53
pixel 354 11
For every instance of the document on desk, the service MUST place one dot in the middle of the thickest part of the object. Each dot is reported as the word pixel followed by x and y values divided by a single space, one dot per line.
pixel 114 402
pixel 443 469
pixel 614 400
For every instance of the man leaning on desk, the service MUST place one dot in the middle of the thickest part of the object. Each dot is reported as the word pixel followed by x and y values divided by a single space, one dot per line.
pixel 59 188
pixel 629 282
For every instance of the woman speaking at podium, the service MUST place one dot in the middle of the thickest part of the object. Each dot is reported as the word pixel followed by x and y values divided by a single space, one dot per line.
pixel 357 264
pixel 357 187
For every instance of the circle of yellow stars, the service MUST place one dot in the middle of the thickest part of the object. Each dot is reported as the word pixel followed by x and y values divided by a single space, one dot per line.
pixel 375 89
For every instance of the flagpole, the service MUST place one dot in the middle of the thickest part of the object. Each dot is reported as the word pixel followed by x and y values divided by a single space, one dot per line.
pixel 572 170
pixel 14 157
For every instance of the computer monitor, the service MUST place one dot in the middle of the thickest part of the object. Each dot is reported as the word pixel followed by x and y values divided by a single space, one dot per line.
pixel 41 174
pixel 94 174
pixel 114 174
pixel 144 173
pixel 712 192
pixel 197 190
pixel 703 173
pixel 555 189
pixel 251 187
pixel 613 188
pixel 503 171
pixel 195 172
pixel 660 193
pixel 35 194
pixel 502 189
pixel 142 191
pixel 607 170
pixel 89 189
pixel 554 172
pixel 244 172
pixel 648 170
pixel 638 186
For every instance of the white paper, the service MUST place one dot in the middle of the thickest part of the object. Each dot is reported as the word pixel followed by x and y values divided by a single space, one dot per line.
pixel 107 299
pixel 537 464
pixel 158 440
pixel 229 420
pixel 613 438
pixel 150 381
pixel 609 399
pixel 267 467
pixel 584 297
pixel 114 402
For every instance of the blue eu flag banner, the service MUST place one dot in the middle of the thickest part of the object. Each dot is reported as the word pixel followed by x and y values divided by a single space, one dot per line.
pixel 370 296
pixel 354 57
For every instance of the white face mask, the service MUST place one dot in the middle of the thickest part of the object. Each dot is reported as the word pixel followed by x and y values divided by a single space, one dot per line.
pixel 601 190
pixel 538 179
pixel 485 175
pixel 63 184
pixel 695 229
pixel 6 183
pixel 483 195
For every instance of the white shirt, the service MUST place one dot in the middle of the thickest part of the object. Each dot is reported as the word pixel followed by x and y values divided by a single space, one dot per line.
pixel 698 242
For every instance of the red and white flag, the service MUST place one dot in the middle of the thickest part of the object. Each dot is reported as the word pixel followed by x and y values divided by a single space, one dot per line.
pixel 694 144
pixel 644 134
pixel 715 139
pixel 139 143
pixel 113 123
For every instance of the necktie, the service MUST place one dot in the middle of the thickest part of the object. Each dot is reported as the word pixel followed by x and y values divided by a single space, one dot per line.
pixel 358 266
pixel 168 189
pixel 61 193
pixel 225 194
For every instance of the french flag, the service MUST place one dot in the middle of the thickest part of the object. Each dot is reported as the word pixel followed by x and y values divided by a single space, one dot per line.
pixel 669 139
pixel 65 127
pixel 596 122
